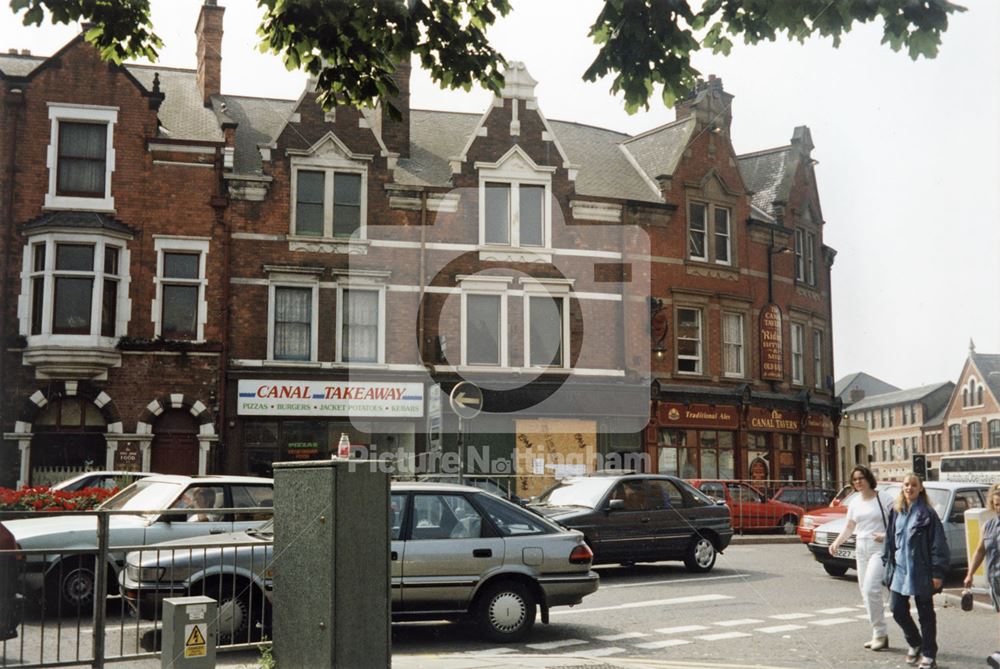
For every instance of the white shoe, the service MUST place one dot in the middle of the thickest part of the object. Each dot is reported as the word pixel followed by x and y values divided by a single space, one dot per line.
pixel 912 655
pixel 878 643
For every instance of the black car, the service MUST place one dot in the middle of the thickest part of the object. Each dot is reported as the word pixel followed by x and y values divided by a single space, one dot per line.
pixel 629 518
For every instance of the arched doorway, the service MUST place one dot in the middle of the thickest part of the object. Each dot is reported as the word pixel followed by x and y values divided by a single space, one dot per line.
pixel 175 443
pixel 68 438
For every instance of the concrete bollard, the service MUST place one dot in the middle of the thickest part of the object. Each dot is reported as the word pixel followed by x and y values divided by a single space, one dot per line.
pixel 331 565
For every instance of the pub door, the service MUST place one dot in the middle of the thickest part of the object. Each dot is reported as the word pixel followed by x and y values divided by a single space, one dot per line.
pixel 175 444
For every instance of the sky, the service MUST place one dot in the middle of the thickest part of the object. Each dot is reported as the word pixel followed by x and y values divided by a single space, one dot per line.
pixel 908 173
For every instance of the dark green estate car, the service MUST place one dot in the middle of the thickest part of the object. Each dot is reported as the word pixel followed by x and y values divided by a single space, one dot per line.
pixel 627 518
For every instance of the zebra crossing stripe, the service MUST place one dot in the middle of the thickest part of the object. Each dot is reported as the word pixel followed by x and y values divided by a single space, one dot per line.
pixel 738 621
pixel 681 630
pixel 492 651
pixel 654 645
pixel 722 635
pixel 551 645
pixel 831 621
pixel 778 629
pixel 619 637
pixel 792 616
pixel 599 652
pixel 839 609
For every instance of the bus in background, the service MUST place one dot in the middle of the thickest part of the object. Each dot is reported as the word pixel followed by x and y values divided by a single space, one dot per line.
pixel 983 467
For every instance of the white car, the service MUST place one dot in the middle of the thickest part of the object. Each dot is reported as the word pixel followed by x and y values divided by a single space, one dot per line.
pixel 108 480
pixel 950 500
pixel 66 576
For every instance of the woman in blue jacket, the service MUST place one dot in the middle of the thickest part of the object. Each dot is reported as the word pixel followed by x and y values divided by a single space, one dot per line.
pixel 916 561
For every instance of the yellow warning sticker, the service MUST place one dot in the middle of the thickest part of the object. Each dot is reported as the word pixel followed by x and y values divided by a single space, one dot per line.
pixel 194 641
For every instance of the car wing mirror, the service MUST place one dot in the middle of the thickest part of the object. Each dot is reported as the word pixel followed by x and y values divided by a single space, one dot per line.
pixel 615 505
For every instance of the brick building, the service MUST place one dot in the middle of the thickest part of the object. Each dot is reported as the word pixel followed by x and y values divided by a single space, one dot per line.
pixel 112 285
pixel 354 268
pixel 971 417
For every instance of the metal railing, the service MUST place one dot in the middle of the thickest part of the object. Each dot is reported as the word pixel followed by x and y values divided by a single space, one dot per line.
pixel 73 612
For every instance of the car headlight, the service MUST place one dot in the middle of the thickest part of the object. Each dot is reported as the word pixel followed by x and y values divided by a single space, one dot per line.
pixel 822 538
pixel 138 574
pixel 808 523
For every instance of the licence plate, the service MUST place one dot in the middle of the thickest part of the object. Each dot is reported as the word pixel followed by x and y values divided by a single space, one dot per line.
pixel 843 553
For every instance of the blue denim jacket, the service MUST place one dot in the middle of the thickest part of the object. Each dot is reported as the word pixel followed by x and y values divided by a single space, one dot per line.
pixel 927 553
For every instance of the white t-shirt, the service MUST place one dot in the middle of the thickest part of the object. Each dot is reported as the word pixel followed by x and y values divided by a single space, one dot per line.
pixel 866 515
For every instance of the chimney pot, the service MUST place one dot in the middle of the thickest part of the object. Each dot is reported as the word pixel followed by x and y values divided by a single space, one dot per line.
pixel 12 52
pixel 25 52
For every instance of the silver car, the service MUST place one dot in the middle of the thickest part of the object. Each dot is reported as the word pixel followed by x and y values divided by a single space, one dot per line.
pixel 950 500
pixel 456 552
pixel 66 574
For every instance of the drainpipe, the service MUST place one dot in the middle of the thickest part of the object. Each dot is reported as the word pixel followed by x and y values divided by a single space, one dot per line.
pixel 220 204
pixel 13 103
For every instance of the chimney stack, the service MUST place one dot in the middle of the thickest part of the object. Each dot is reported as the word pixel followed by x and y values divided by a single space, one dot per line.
pixel 396 134
pixel 709 104
pixel 209 35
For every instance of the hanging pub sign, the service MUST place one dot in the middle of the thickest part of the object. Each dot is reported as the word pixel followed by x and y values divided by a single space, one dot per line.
pixel 698 415
pixel 771 352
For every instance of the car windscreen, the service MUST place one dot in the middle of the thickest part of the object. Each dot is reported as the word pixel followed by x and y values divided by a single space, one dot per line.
pixel 586 492
pixel 938 497
pixel 144 496
pixel 698 497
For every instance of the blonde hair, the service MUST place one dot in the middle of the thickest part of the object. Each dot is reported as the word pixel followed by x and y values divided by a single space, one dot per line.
pixel 995 488
pixel 902 503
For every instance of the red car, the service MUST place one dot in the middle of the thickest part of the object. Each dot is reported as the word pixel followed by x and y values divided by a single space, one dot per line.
pixel 813 519
pixel 750 508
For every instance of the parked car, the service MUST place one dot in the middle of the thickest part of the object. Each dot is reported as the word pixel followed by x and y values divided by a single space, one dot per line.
pixel 805 496
pixel 69 579
pixel 503 487
pixel 11 601
pixel 816 517
pixel 435 527
pixel 750 508
pixel 108 480
pixel 629 518
pixel 949 499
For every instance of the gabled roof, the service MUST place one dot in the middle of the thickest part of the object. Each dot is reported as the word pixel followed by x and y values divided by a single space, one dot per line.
pixel 182 114
pixel 861 381
pixel 937 420
pixel 15 65
pixel 988 365
pixel 763 173
pixel 898 397
pixel 658 151
pixel 259 120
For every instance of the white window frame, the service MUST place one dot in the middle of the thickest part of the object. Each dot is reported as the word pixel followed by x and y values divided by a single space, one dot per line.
pixel 374 281
pixel 301 282
pixel 800 257
pixel 163 244
pixel 122 307
pixel 494 286
pixel 711 233
pixel 329 165
pixel 818 358
pixel 699 358
pixel 810 258
pixel 556 290
pixel 798 361
pixel 516 168
pixel 740 345
pixel 66 112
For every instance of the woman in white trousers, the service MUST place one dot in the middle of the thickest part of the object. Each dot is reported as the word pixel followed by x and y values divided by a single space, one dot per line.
pixel 867 518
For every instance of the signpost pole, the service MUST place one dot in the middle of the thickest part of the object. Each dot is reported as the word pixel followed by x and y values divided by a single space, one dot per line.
pixel 461 451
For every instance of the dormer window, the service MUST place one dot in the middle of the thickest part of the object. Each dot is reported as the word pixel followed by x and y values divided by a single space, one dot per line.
pixel 81 157
pixel 327 203
pixel 709 233
pixel 515 207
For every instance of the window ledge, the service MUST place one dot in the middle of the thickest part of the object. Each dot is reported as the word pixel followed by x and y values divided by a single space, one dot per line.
pixel 328 245
pixel 712 270
pixel 91 359
pixel 62 202
pixel 515 254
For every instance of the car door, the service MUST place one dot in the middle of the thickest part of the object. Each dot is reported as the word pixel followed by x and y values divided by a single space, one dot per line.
pixel 183 526
pixel 450 547
pixel 750 507
pixel 954 525
pixel 623 533
pixel 251 496
pixel 670 528
pixel 398 503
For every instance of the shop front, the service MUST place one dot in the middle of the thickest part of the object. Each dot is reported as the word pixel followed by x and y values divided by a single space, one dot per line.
pixel 761 440
pixel 304 419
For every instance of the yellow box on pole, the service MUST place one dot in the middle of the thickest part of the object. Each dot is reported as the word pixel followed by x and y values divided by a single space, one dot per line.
pixel 975 520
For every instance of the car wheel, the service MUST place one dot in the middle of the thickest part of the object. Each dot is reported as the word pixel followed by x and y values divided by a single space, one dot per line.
pixel 232 612
pixel 70 587
pixel 834 569
pixel 789 524
pixel 700 556
pixel 505 611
